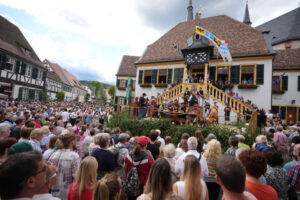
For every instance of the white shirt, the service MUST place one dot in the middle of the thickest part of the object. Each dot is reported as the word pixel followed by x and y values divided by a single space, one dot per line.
pixel 162 141
pixel 180 163
pixel 44 197
pixel 65 116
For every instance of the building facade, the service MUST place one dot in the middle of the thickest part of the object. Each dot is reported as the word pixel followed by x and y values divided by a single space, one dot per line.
pixel 126 69
pixel 22 74
pixel 283 33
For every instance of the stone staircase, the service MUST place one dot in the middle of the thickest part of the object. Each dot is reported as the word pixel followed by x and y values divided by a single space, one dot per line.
pixel 211 94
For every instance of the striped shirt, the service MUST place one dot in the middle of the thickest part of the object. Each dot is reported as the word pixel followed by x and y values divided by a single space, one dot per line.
pixel 211 165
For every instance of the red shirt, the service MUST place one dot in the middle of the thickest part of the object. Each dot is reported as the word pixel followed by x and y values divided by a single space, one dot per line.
pixel 37 124
pixel 86 194
pixel 143 167
pixel 262 192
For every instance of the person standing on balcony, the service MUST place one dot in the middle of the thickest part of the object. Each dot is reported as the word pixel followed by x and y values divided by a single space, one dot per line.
pixel 142 106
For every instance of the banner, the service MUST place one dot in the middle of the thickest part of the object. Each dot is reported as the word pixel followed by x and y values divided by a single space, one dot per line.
pixel 221 45
pixel 128 90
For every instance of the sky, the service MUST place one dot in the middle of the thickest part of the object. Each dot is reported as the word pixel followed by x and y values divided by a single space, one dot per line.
pixel 89 37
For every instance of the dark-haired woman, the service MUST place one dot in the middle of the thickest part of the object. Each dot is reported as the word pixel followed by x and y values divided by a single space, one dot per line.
pixel 159 187
pixel 67 163
pixel 141 160
pixel 256 165
pixel 275 175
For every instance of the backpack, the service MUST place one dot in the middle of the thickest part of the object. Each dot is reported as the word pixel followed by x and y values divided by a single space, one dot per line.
pixel 132 183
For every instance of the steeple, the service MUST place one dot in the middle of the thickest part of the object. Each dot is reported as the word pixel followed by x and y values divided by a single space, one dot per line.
pixel 190 15
pixel 246 15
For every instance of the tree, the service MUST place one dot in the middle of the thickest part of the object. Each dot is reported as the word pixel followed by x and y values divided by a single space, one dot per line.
pixel 111 90
pixel 60 96
pixel 87 97
pixel 100 94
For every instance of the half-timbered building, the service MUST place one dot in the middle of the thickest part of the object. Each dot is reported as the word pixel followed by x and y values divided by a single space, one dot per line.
pixel 22 74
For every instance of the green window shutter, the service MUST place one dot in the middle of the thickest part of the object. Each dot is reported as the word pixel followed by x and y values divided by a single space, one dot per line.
pixel 44 75
pixel 260 74
pixel 212 73
pixel 31 94
pixel 116 100
pixel 235 74
pixel 2 61
pixel 18 66
pixel 299 86
pixel 20 95
pixel 285 80
pixel 126 83
pixel 23 68
pixel 34 73
pixel 170 76
pixel 141 76
pixel 282 112
pixel 154 76
pixel 118 82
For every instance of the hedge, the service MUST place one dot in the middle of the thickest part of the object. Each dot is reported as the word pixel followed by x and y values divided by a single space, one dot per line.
pixel 143 127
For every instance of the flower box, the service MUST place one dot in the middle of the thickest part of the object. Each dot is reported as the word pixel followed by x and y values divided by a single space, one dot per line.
pixel 161 85
pixel 247 86
pixel 121 88
pixel 146 85
pixel 278 91
pixel 228 86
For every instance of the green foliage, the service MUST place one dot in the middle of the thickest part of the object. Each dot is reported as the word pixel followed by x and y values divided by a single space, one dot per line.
pixel 111 90
pixel 76 99
pixel 143 127
pixel 87 97
pixel 60 96
pixel 100 94
pixel 43 96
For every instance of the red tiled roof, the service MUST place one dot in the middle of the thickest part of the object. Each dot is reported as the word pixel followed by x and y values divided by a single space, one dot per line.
pixel 287 59
pixel 243 40
pixel 127 67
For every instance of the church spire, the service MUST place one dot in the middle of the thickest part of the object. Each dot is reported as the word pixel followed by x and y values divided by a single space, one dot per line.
pixel 190 15
pixel 246 15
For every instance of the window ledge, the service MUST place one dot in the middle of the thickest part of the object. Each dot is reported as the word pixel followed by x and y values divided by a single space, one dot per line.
pixel 146 85
pixel 121 88
pixel 246 86
pixel 161 85
pixel 278 91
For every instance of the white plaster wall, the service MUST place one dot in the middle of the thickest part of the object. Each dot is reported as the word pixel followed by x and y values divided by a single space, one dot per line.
pixel 68 96
pixel 52 95
pixel 153 90
pixel 291 94
pixel 262 95
pixel 295 44
pixel 15 93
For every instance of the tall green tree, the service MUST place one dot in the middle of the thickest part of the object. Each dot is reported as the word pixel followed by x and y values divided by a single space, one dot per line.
pixel 111 90
pixel 100 93
pixel 60 96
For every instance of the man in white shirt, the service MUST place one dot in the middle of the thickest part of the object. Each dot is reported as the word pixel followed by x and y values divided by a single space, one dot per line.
pixel 162 141
pixel 65 116
pixel 192 150
pixel 270 115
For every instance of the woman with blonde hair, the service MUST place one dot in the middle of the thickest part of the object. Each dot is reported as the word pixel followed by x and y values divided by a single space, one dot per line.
pixel 86 178
pixel 108 188
pixel 191 186
pixel 212 152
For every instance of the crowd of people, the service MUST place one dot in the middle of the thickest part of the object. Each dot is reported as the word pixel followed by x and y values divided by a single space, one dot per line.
pixel 48 153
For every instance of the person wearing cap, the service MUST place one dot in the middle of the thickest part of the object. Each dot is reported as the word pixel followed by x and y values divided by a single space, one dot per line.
pixel 141 159
pixel 37 121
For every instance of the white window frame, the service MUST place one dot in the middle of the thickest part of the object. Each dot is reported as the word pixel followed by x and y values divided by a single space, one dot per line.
pixel 123 83
pixel 25 93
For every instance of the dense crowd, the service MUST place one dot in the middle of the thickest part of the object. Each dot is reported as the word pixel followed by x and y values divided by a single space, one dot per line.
pixel 65 151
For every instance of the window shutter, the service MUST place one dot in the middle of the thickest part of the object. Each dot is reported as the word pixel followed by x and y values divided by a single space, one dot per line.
pixel 44 75
pixel 125 101
pixel 18 65
pixel 141 76
pixel 2 61
pixel 170 76
pixel 34 73
pixel 126 83
pixel 178 75
pixel 118 82
pixel 212 73
pixel 116 100
pixel 235 74
pixel 260 74
pixel 282 112
pixel 154 76
pixel 285 80
pixel 23 68
pixel 20 95
pixel 31 94
pixel 299 86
